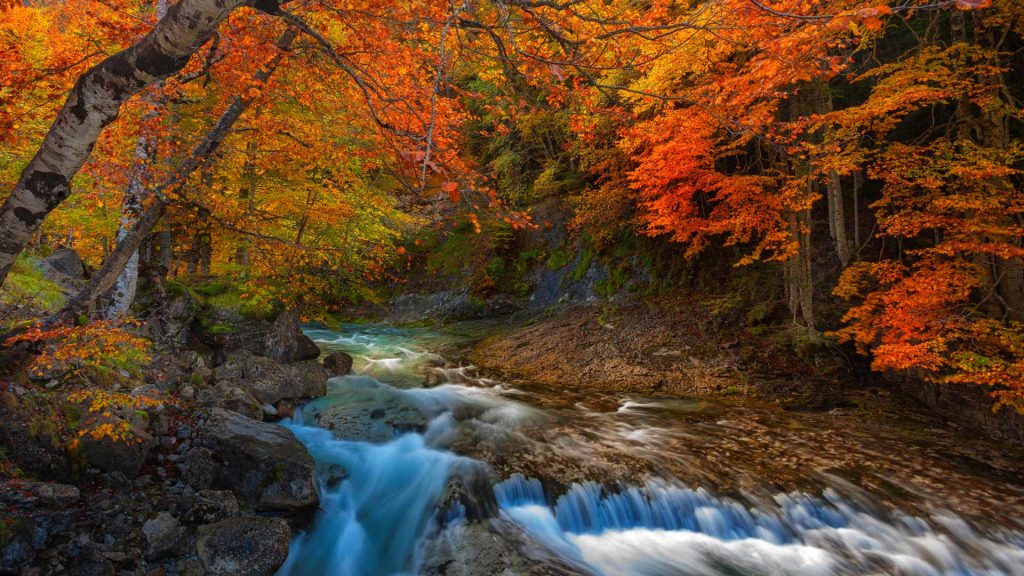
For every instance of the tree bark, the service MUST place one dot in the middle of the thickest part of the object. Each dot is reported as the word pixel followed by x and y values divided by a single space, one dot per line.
pixel 136 195
pixel 104 279
pixel 94 102
pixel 837 218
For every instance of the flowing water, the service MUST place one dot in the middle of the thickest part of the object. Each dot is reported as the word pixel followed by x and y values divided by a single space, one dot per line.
pixel 425 456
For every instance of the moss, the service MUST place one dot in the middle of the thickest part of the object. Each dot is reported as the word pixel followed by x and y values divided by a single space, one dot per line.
pixel 616 279
pixel 232 300
pixel 26 285
pixel 558 259
pixel 221 328
pixel 212 288
pixel 583 263
pixel 725 306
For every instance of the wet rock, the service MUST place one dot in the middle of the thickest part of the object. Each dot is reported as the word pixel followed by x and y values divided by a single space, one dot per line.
pixel 269 381
pixel 244 546
pixel 496 547
pixel 262 463
pixel 338 363
pixel 369 415
pixel 285 341
pixel 163 534
pixel 285 409
pixel 469 496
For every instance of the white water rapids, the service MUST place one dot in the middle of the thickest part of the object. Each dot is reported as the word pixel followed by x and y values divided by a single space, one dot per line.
pixel 684 509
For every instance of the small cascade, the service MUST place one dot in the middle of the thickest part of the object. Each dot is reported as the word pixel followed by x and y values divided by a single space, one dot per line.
pixel 370 526
pixel 829 533
pixel 519 490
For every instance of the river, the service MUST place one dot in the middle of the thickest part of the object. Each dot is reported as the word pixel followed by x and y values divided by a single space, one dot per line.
pixel 429 468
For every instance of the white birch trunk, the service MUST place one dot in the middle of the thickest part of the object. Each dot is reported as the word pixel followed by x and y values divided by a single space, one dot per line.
pixel 94 103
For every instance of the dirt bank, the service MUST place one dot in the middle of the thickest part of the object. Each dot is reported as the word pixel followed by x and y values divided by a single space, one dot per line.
pixel 644 347
pixel 679 349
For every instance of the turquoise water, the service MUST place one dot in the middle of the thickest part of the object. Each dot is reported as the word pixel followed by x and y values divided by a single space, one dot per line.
pixel 623 485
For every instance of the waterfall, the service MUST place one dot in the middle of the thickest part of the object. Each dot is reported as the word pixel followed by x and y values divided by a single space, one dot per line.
pixel 658 528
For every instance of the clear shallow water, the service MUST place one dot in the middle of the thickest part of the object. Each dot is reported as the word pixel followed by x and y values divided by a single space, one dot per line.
pixel 617 484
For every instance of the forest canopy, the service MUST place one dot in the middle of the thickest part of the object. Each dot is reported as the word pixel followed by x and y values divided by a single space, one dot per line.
pixel 300 152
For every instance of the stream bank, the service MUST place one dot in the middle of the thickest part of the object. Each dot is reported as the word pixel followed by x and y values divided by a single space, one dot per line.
pixel 677 348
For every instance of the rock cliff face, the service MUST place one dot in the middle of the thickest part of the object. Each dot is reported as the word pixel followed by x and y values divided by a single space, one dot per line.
pixel 964 403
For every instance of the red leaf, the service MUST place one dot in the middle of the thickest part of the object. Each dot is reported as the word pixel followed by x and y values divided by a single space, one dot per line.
pixel 452 189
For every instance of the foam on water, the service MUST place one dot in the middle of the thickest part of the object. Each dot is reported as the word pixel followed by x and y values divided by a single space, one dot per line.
pixel 371 524
pixel 660 529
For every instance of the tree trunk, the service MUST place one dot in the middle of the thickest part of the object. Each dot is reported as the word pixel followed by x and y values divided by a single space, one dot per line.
pixel 94 102
pixel 166 251
pixel 135 196
pixel 799 283
pixel 858 183
pixel 198 253
pixel 104 279
pixel 837 218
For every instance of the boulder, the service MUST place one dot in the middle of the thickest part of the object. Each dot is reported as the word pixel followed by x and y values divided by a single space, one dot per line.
pixel 175 371
pixel 208 506
pixel 262 463
pixel 231 396
pixel 117 455
pixel 64 267
pixel 285 341
pixel 198 468
pixel 368 414
pixel 164 535
pixel 270 381
pixel 338 364
pixel 40 451
pixel 244 546
pixel 175 322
